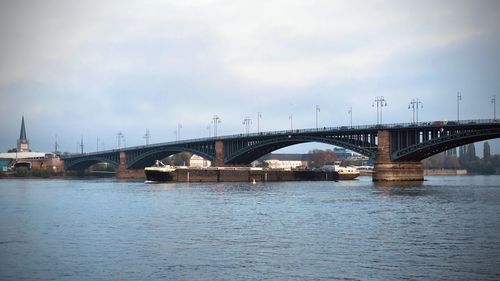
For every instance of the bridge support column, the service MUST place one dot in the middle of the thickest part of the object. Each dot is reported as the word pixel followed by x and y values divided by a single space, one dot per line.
pixel 387 170
pixel 219 153
pixel 123 173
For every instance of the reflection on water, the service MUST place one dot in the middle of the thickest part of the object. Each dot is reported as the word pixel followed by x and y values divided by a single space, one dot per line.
pixel 401 188
pixel 444 228
pixel 397 184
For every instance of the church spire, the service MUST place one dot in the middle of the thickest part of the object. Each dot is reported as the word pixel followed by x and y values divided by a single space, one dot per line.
pixel 22 136
pixel 22 142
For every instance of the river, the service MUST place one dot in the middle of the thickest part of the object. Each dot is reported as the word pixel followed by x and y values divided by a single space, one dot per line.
pixel 446 228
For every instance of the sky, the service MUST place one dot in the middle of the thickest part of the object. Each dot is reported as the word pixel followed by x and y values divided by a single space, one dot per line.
pixel 91 69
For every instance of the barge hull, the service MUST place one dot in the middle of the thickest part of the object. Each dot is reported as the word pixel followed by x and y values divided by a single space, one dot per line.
pixel 223 175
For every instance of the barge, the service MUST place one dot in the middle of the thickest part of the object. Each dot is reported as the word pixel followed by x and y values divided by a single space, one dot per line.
pixel 165 173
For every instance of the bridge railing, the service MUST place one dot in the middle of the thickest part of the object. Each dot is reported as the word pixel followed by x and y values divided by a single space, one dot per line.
pixel 303 131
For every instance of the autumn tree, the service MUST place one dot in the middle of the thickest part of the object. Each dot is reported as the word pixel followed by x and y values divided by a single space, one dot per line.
pixel 318 158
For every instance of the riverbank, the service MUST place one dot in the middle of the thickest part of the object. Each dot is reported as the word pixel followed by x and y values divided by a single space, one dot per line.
pixel 445 172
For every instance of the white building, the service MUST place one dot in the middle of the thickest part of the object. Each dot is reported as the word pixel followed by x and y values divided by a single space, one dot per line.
pixel 285 161
pixel 198 161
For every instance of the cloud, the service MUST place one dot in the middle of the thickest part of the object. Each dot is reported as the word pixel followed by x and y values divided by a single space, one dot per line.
pixel 71 64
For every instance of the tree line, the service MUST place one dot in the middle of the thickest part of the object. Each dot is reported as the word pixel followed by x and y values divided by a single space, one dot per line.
pixel 467 159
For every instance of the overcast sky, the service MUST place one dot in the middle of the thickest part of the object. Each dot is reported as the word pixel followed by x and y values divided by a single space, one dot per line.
pixel 93 68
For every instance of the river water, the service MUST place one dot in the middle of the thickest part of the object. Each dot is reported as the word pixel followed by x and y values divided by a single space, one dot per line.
pixel 447 228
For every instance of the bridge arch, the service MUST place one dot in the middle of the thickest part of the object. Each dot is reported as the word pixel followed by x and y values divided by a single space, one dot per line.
pixel 85 162
pixel 250 153
pixel 149 157
pixel 420 151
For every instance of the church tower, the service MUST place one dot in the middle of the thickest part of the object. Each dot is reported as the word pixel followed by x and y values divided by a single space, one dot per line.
pixel 22 142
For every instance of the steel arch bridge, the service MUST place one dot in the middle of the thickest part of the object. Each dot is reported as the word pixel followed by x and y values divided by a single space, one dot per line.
pixel 408 142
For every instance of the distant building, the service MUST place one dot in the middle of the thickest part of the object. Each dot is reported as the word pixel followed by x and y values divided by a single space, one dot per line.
pixel 285 161
pixel 292 161
pixel 342 153
pixel 451 152
pixel 198 161
pixel 22 156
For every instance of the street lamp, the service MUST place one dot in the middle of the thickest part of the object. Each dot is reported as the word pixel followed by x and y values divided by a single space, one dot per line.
pixel 350 113
pixel 493 101
pixel 247 121
pixel 380 102
pixel 119 137
pixel 414 105
pixel 317 111
pixel 291 121
pixel 179 127
pixel 147 136
pixel 258 121
pixel 216 120
pixel 56 145
pixel 459 98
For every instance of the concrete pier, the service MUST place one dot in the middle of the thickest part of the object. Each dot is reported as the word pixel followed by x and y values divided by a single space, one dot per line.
pixel 387 170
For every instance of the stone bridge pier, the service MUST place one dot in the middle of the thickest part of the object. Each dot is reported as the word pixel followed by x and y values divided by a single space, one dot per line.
pixel 219 153
pixel 123 173
pixel 387 170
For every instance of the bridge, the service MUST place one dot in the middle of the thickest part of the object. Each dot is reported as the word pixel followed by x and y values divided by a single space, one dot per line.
pixel 397 149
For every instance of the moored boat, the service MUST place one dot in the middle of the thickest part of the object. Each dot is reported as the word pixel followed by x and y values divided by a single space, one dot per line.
pixel 159 172
pixel 164 173
pixel 347 173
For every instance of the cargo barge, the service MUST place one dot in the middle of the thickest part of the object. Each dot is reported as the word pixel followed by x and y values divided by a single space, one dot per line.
pixel 164 173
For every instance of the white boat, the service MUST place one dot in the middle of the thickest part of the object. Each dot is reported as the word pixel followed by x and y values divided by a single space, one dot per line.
pixel 346 173
pixel 159 172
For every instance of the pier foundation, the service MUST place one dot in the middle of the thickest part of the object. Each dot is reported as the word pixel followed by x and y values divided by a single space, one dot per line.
pixel 219 153
pixel 387 170
pixel 123 173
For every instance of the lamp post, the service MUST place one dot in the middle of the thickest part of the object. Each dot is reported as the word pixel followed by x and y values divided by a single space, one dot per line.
pixel 179 127
pixel 493 101
pixel 380 102
pixel 56 146
pixel 147 136
pixel 97 144
pixel 216 120
pixel 317 111
pixel 291 121
pixel 414 105
pixel 119 137
pixel 350 114
pixel 459 98
pixel 209 128
pixel 247 121
pixel 258 121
